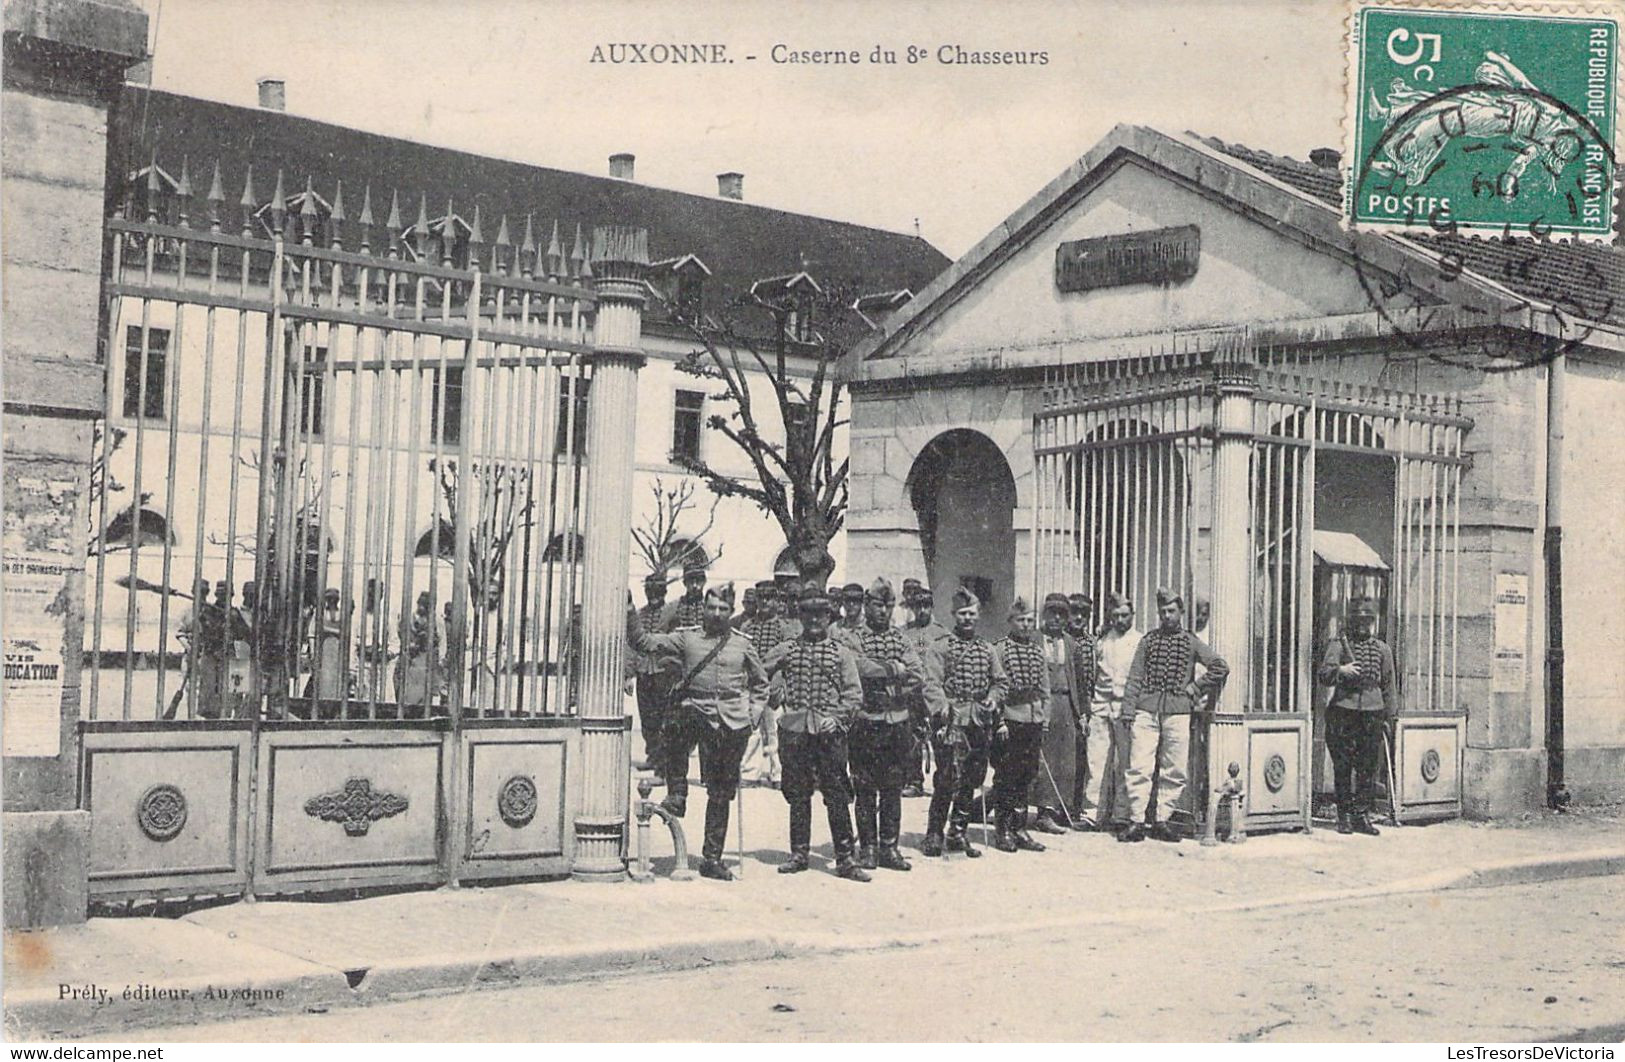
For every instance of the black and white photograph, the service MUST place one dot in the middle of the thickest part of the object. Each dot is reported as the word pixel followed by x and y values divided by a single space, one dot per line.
pixel 661 525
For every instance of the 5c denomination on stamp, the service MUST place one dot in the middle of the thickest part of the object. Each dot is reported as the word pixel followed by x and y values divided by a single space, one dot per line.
pixel 1490 119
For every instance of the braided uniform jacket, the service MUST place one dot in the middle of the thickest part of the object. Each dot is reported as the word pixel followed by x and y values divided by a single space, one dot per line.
pixel 1027 699
pixel 765 632
pixel 973 679
pixel 1374 690
pixel 1162 680
pixel 649 663
pixel 684 613
pixel 820 685
pixel 890 670
pixel 1085 672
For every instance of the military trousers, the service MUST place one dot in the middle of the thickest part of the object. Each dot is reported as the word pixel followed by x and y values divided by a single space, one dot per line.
pixel 881 754
pixel 1103 764
pixel 721 749
pixel 1160 753
pixel 961 767
pixel 816 763
pixel 654 695
pixel 1018 766
pixel 1354 741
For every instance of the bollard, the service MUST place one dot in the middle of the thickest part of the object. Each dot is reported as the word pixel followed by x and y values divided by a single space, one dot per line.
pixel 1229 793
pixel 645 810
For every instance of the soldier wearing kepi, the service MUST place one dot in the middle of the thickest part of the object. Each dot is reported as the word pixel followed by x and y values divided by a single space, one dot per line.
pixel 822 695
pixel 765 630
pixel 688 610
pixel 1359 667
pixel 1026 713
pixel 973 684
pixel 652 673
pixel 718 698
pixel 852 598
pixel 924 633
pixel 1162 691
pixel 882 742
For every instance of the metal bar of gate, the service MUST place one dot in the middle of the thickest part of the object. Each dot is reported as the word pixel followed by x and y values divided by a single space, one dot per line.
pixel 206 428
pixel 130 606
pixel 172 401
pixel 459 586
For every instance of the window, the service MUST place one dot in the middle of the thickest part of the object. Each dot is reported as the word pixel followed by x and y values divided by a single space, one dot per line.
pixel 687 420
pixel 138 526
pixel 148 401
pixel 797 420
pixel 565 547
pixel 449 404
pixel 798 321
pixel 690 295
pixel 313 391
pixel 572 430
pixel 442 543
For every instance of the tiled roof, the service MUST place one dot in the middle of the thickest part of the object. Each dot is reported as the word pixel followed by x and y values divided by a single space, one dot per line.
pixel 1586 279
pixel 739 242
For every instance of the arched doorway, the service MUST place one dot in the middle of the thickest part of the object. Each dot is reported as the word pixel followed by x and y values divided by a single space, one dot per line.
pixel 964 497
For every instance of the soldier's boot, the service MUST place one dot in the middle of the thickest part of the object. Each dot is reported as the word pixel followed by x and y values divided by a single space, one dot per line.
pixel 716 836
pixel 1018 832
pixel 676 804
pixel 1344 825
pixel 958 839
pixel 800 836
pixel 1361 821
pixel 936 818
pixel 1003 837
pixel 840 832
pixel 891 825
pixel 866 822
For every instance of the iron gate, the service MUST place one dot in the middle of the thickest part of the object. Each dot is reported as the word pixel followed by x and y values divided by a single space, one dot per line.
pixel 1131 495
pixel 337 526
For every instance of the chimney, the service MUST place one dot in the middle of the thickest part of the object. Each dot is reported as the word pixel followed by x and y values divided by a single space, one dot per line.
pixel 273 93
pixel 620 165
pixel 731 185
pixel 1326 158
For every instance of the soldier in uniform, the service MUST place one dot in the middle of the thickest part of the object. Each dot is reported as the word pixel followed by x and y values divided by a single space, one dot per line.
pixel 852 599
pixel 925 633
pixel 1021 728
pixel 688 610
pixel 719 697
pixel 882 739
pixel 1359 667
pixel 1054 789
pixel 652 674
pixel 822 695
pixel 1162 691
pixel 747 609
pixel 765 630
pixel 1105 794
pixel 973 685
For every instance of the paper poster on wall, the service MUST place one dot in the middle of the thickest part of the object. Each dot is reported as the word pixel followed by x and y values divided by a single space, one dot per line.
pixel 1509 671
pixel 34 618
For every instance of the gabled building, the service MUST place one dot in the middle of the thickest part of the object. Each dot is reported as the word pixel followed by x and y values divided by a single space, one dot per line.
pixel 1176 366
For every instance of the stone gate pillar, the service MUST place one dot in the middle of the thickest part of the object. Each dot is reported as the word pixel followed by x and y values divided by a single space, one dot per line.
pixel 619 258
pixel 64 65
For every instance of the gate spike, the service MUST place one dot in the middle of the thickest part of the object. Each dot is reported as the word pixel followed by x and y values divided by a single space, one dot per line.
pixel 152 188
pixel 183 196
pixel 578 257
pixel 527 248
pixel 448 234
pixel 335 217
pixel 555 254
pixel 365 220
pixel 307 211
pixel 392 224
pixel 420 228
pixel 476 240
pixel 247 201
pixel 501 247
pixel 216 197
pixel 279 206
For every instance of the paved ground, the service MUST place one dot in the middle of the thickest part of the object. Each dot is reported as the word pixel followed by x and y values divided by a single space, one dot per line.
pixel 1501 964
pixel 370 951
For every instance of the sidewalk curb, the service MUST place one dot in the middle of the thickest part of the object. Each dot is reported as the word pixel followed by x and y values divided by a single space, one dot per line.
pixel 40 1016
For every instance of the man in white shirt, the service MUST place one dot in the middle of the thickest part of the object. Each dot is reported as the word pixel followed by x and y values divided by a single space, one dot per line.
pixel 1106 795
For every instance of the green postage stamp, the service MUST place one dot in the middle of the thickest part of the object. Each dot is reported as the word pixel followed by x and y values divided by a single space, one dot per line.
pixel 1484 119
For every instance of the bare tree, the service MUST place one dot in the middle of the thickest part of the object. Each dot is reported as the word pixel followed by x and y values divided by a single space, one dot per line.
pixel 661 544
pixel 795 335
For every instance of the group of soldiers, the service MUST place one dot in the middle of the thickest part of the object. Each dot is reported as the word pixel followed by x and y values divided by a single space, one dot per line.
pixel 1081 730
